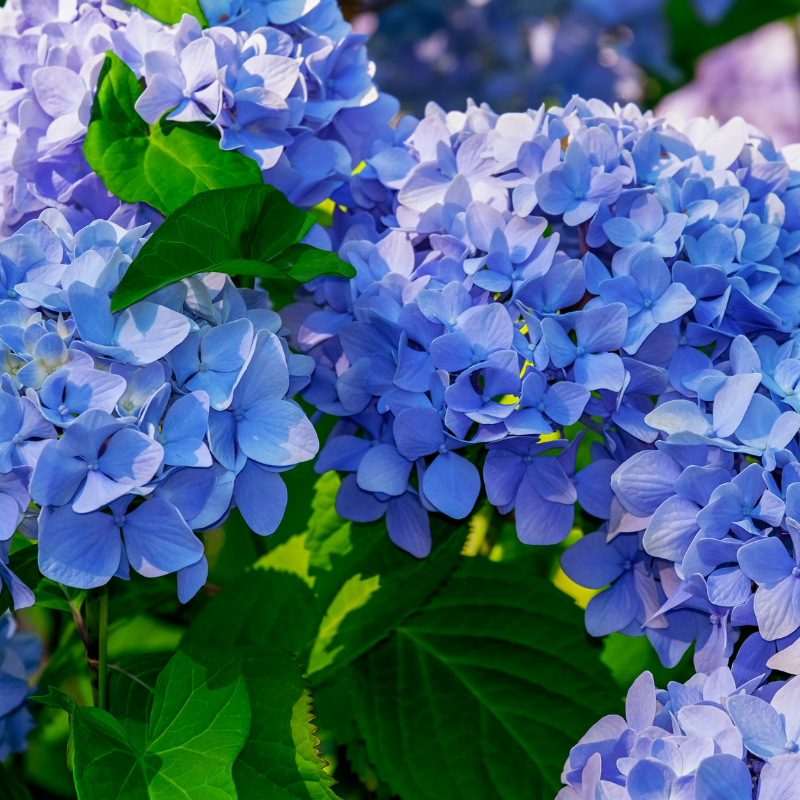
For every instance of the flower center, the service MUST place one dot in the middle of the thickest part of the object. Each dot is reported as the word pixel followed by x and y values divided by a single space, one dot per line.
pixel 161 438
pixel 648 303
pixel 442 448
pixel 792 747
pixel 63 409
pixel 119 520
pixel 202 367
pixel 92 465
pixel 579 351
pixel 238 414
pixel 714 619
pixel 17 439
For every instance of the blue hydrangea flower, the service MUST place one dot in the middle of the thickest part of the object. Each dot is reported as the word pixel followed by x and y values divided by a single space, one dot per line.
pixel 21 655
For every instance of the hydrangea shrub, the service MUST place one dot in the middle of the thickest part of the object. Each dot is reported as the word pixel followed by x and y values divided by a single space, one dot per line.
pixel 573 327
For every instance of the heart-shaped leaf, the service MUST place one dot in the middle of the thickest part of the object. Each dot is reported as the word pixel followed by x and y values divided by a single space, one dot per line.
pixel 165 164
pixel 251 230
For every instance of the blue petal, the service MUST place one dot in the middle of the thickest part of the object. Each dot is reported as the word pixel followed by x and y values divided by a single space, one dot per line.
pixel 277 433
pixel 614 609
pixel 452 484
pixel 261 497
pixel 158 540
pixel 191 579
pixel 408 525
pixel 723 776
pixel 540 521
pixel 418 432
pixel 78 550
pixel 384 470
pixel 760 725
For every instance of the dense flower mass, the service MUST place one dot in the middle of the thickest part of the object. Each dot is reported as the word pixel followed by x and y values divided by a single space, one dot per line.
pixel 521 273
pixel 709 738
pixel 286 83
pixel 132 430
pixel 20 654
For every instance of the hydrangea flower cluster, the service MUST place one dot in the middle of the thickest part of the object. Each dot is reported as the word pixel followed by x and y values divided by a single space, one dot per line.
pixel 20 655
pixel 521 273
pixel 286 83
pixel 131 431
pixel 706 739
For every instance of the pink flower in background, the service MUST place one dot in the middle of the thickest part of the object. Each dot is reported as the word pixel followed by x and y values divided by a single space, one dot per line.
pixel 754 76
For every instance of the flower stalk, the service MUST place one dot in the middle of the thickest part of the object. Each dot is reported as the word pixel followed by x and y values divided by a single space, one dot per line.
pixel 97 644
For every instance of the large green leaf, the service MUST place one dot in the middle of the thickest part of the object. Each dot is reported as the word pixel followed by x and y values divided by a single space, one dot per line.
pixel 330 593
pixel 262 607
pixel 171 11
pixel 131 691
pixel 165 164
pixel 484 691
pixel 251 230
pixel 197 726
pixel 280 760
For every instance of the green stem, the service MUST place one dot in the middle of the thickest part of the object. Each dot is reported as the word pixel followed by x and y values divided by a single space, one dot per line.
pixel 97 644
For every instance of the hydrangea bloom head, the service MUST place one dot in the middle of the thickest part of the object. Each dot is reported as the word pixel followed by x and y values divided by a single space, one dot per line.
pixel 285 83
pixel 710 737
pixel 523 277
pixel 132 431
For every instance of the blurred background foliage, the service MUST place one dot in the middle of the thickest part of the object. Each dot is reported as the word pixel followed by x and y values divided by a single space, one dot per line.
pixel 732 57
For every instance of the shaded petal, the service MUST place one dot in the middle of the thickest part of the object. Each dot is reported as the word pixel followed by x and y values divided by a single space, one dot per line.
pixel 277 433
pixel 452 484
pixel 408 524
pixel 158 540
pixel 538 520
pixel 721 776
pixel 261 497
pixel 384 470
pixel 760 724
pixel 78 550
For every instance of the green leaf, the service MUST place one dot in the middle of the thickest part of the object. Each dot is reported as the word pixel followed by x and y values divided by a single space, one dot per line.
pixel 10 786
pixel 252 230
pixel 484 691
pixel 330 593
pixel 364 583
pixel 131 691
pixel 165 164
pixel 280 759
pixel 171 11
pixel 197 726
pixel 272 606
